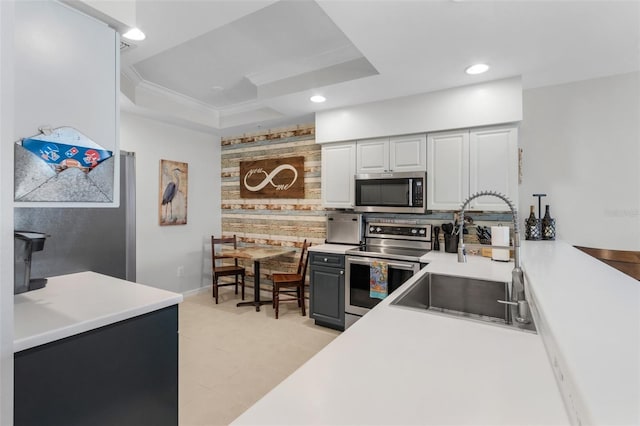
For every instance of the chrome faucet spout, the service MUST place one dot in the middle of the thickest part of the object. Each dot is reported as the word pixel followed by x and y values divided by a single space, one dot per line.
pixel 517 276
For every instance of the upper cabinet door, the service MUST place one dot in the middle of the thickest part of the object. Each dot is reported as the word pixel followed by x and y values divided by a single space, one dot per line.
pixel 338 170
pixel 448 170
pixel 408 153
pixel 373 156
pixel 493 166
pixel 394 154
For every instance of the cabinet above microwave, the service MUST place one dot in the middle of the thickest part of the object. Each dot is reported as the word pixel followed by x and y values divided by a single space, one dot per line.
pixel 392 154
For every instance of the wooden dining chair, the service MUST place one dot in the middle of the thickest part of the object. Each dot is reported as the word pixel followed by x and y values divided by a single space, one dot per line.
pixel 222 268
pixel 291 285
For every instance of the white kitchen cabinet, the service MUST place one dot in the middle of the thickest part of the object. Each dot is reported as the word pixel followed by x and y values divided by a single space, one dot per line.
pixel 338 170
pixel 461 163
pixel 448 169
pixel 408 153
pixel 373 155
pixel 493 165
pixel 392 154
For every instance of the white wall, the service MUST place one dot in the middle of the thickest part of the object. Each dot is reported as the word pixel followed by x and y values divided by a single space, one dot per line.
pixel 581 145
pixel 483 104
pixel 161 250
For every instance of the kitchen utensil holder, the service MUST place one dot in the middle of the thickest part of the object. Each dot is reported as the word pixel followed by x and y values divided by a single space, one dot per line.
pixel 533 232
pixel 549 229
pixel 451 243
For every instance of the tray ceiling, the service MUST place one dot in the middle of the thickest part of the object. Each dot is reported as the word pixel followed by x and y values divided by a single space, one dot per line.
pixel 234 65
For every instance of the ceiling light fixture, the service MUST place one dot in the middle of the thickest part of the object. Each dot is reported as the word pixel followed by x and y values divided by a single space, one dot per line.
pixel 134 34
pixel 317 98
pixel 477 69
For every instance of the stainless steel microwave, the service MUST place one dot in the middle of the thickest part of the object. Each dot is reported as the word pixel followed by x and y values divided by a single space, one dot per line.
pixel 403 192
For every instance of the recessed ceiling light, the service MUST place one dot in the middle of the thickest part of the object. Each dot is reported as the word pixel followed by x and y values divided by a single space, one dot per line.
pixel 317 98
pixel 134 34
pixel 477 69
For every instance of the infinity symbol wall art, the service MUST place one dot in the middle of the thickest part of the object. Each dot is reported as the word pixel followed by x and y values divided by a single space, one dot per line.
pixel 269 178
pixel 272 178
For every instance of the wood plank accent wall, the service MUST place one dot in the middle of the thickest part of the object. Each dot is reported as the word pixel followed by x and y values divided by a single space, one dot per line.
pixel 273 222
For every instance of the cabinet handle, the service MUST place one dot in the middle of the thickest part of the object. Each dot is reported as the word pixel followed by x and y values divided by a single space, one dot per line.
pixel 325 259
pixel 341 272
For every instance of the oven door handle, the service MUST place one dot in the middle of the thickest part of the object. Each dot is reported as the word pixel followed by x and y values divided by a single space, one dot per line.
pixel 407 266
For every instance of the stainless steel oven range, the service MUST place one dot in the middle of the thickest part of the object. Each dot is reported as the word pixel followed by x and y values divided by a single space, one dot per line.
pixel 393 246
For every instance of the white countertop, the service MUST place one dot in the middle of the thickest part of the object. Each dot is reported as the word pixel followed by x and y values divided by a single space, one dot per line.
pixel 476 266
pixel 332 248
pixel 591 326
pixel 447 263
pixel 400 366
pixel 75 303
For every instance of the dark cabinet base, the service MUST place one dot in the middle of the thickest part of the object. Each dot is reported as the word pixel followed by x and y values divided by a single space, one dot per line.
pixel 326 291
pixel 329 325
pixel 122 374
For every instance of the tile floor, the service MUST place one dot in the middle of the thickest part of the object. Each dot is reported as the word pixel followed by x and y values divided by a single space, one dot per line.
pixel 230 357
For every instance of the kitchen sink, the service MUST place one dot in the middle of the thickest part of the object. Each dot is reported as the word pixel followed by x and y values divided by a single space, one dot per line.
pixel 469 298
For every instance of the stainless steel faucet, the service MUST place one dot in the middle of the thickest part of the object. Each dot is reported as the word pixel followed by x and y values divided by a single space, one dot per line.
pixel 518 298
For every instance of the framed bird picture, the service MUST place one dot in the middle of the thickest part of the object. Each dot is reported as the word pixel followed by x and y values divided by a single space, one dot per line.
pixel 172 204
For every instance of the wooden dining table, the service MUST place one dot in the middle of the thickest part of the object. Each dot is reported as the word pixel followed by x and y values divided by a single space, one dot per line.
pixel 257 254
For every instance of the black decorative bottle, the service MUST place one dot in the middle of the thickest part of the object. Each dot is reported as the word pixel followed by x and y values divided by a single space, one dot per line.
pixel 532 226
pixel 548 225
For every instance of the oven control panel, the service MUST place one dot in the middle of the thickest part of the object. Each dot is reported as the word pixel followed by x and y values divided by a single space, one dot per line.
pixel 399 230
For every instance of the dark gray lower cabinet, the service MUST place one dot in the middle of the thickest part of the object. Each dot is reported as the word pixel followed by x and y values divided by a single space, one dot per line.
pixel 326 304
pixel 121 374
